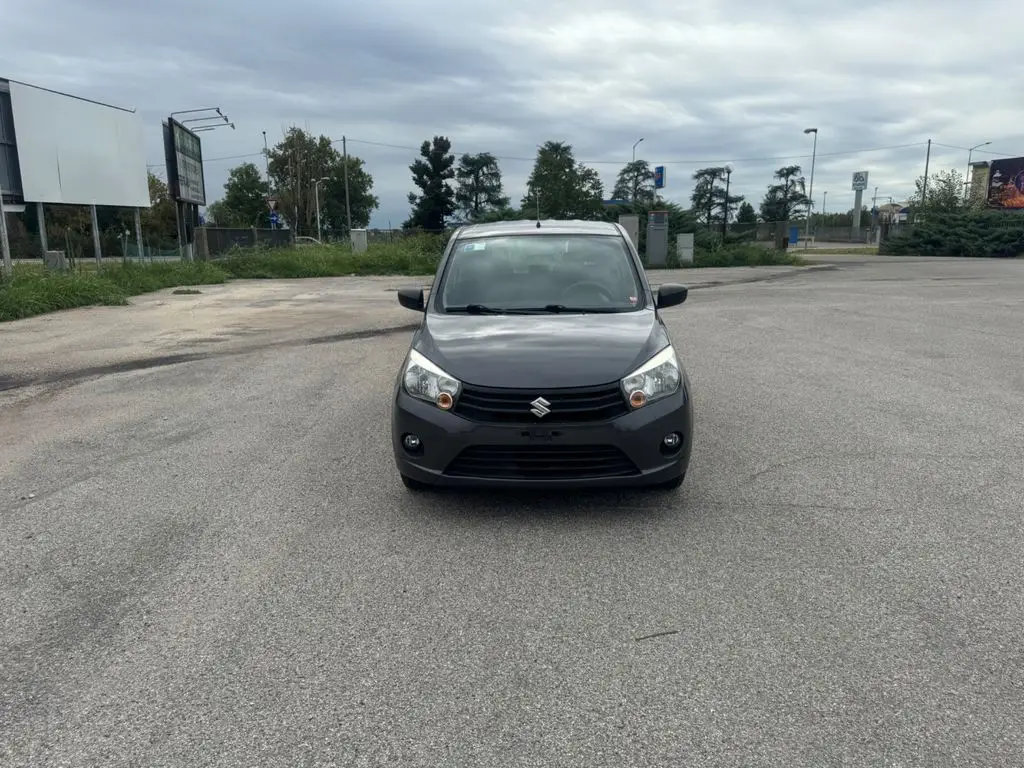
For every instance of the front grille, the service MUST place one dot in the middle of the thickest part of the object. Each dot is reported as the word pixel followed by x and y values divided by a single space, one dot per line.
pixel 491 405
pixel 541 462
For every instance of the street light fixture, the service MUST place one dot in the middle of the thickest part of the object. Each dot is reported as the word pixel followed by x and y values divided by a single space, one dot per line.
pixel 634 148
pixel 635 179
pixel 211 127
pixel 969 153
pixel 193 111
pixel 316 194
pixel 810 192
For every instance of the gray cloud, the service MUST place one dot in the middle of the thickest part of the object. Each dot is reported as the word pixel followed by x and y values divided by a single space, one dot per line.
pixel 700 83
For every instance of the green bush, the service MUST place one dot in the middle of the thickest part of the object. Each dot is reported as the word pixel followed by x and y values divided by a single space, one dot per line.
pixel 988 234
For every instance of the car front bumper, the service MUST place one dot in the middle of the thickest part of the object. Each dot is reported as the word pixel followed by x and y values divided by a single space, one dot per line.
pixel 624 452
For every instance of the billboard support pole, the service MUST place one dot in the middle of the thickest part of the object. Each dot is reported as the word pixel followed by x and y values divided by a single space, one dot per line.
pixel 5 244
pixel 96 236
pixel 177 230
pixel 138 233
pixel 44 245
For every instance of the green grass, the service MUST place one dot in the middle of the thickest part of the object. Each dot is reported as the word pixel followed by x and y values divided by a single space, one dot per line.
pixel 33 290
pixel 413 256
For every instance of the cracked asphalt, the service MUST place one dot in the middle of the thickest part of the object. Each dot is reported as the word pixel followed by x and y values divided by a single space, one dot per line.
pixel 213 563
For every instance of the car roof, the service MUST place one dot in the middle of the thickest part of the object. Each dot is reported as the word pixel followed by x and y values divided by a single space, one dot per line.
pixel 547 227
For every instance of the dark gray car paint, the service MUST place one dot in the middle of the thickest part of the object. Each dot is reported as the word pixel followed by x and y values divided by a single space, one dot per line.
pixel 546 351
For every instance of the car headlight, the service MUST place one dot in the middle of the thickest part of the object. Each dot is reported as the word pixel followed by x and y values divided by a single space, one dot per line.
pixel 424 380
pixel 657 378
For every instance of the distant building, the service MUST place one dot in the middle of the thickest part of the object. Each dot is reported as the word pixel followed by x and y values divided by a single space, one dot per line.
pixel 894 213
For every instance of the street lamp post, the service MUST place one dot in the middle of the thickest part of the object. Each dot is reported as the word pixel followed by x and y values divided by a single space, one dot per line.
pixel 810 193
pixel 316 194
pixel 824 202
pixel 725 204
pixel 970 152
pixel 635 180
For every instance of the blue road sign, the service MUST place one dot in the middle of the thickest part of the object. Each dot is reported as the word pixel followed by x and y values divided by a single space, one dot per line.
pixel 615 202
pixel 274 218
pixel 659 177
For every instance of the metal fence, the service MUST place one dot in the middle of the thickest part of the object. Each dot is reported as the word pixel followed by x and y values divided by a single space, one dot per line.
pixel 215 242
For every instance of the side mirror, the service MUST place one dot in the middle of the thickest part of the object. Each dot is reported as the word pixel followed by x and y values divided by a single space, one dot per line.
pixel 411 298
pixel 671 294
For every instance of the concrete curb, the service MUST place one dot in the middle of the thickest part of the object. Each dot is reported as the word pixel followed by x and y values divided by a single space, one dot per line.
pixel 74 376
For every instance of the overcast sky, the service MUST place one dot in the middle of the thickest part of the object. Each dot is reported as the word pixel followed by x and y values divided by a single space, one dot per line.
pixel 702 83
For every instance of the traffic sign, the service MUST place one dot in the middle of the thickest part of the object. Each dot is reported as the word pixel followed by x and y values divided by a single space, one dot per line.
pixel 272 203
pixel 275 219
pixel 860 181
pixel 659 177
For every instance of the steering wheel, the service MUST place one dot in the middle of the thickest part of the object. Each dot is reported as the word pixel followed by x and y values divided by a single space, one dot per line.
pixel 603 292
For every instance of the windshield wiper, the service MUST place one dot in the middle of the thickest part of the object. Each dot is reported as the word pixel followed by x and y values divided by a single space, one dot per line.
pixel 476 309
pixel 556 308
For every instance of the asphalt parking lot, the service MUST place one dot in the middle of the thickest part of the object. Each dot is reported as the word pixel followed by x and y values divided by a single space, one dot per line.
pixel 214 563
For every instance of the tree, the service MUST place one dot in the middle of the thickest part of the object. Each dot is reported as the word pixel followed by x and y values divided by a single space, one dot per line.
pixel 245 199
pixel 362 201
pixel 432 173
pixel 746 214
pixel 708 194
pixel 785 197
pixel 561 188
pixel 945 193
pixel 297 163
pixel 746 218
pixel 479 186
pixel 159 221
pixel 635 183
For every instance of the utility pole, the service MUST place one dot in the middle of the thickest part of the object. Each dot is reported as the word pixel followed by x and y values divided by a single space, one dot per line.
pixel 810 193
pixel 924 185
pixel 266 157
pixel 316 192
pixel 725 215
pixel 344 168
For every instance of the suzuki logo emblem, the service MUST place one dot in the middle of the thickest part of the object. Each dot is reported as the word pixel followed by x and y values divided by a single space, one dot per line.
pixel 540 407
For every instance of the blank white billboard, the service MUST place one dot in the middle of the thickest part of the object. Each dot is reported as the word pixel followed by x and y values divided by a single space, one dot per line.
pixel 76 151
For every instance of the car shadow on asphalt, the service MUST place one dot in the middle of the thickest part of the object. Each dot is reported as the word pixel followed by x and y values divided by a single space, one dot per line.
pixel 570 505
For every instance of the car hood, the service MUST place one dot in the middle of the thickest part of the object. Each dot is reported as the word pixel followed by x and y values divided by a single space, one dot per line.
pixel 540 351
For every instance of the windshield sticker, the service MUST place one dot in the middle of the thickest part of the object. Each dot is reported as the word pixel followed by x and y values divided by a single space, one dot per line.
pixel 633 299
pixel 474 246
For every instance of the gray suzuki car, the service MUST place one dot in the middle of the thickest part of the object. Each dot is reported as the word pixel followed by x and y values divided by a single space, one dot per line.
pixel 542 362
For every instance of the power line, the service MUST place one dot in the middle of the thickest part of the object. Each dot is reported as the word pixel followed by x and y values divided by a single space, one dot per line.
pixel 976 150
pixel 215 159
pixel 691 161
pixel 685 161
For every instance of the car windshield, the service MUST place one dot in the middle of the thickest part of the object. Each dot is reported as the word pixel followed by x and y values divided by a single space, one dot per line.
pixel 541 273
